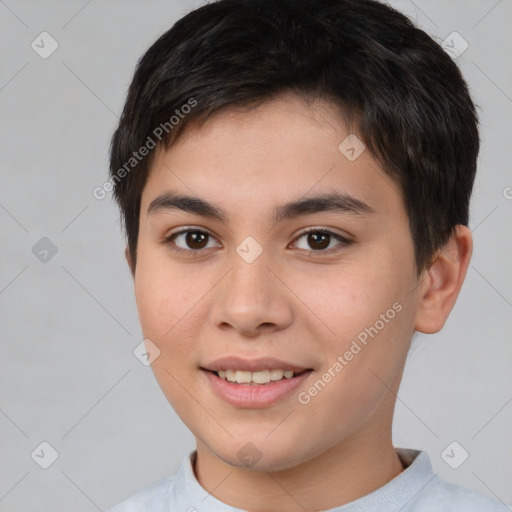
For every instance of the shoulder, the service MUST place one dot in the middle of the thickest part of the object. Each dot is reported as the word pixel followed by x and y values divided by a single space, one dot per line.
pixel 424 491
pixel 154 498
pixel 443 496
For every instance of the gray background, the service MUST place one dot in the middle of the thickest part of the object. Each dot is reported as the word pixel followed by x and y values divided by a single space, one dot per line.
pixel 69 325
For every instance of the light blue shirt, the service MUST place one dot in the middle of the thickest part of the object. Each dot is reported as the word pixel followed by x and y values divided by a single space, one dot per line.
pixel 416 489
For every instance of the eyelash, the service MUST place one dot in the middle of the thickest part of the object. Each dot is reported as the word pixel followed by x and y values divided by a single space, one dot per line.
pixel 344 242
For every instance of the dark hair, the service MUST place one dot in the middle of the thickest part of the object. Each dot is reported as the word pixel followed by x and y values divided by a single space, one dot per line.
pixel 410 102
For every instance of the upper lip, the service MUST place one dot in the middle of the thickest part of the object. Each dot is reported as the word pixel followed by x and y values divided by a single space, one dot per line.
pixel 252 365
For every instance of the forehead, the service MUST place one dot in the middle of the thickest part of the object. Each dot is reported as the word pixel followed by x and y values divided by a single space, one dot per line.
pixel 255 159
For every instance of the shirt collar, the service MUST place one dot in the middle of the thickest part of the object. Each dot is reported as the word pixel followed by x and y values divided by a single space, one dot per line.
pixel 189 495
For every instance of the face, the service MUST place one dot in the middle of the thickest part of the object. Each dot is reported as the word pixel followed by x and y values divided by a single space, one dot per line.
pixel 289 269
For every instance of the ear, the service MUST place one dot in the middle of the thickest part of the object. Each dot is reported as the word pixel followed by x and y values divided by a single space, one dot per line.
pixel 441 283
pixel 128 257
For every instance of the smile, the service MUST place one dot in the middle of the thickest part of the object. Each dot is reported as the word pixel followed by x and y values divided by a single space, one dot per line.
pixel 257 389
pixel 258 377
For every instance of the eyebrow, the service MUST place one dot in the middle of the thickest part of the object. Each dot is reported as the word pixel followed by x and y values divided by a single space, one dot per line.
pixel 329 202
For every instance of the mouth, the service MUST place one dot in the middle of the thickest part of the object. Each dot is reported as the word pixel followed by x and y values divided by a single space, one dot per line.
pixel 257 378
pixel 253 383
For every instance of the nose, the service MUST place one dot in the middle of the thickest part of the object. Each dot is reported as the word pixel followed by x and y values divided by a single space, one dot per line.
pixel 252 299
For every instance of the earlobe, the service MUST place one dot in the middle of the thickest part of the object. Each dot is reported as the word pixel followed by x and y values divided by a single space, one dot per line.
pixel 128 257
pixel 441 283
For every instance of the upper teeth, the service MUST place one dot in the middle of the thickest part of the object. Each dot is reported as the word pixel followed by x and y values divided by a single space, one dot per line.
pixel 260 377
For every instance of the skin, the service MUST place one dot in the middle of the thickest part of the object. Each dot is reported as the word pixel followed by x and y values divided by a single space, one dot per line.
pixel 292 303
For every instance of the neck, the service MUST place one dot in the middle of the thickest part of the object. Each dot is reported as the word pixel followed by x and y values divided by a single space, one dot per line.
pixel 344 473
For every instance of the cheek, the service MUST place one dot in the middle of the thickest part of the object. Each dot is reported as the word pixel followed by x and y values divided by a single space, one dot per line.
pixel 163 296
pixel 171 314
pixel 342 301
pixel 165 313
pixel 363 316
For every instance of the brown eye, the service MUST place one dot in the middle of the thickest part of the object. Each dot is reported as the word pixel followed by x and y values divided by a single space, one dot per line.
pixel 318 240
pixel 321 240
pixel 196 239
pixel 190 240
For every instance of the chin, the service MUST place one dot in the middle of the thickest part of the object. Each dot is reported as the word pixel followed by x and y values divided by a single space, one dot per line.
pixel 261 455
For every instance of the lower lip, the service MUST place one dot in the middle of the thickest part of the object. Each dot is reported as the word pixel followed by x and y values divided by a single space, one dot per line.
pixel 255 395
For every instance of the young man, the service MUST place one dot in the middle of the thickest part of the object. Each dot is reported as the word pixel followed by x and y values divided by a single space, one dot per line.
pixel 294 177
